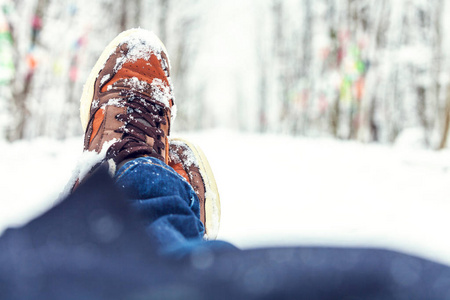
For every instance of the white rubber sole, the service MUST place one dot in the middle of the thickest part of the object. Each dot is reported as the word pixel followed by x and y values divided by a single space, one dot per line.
pixel 212 198
pixel 88 89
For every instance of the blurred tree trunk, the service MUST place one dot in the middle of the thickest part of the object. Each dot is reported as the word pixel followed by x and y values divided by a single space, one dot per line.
pixel 279 53
pixel 368 129
pixel 130 14
pixel 22 84
pixel 353 13
pixel 180 71
pixel 163 18
pixel 263 62
pixel 335 116
pixel 123 15
pixel 20 96
pixel 444 136
pixel 301 125
pixel 442 119
pixel 137 12
pixel 422 107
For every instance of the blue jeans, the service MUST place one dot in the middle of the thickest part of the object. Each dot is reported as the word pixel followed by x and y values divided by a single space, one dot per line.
pixel 168 205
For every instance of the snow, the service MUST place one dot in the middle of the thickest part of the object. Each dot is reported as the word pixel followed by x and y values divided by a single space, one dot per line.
pixel 86 161
pixel 189 159
pixel 140 45
pixel 104 79
pixel 279 190
pixel 118 102
pixel 136 84
pixel 161 92
pixel 95 103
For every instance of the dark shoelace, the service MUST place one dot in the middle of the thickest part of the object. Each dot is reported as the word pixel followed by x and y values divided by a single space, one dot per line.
pixel 143 118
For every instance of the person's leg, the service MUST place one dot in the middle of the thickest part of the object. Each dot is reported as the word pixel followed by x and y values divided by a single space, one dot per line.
pixel 91 246
pixel 127 108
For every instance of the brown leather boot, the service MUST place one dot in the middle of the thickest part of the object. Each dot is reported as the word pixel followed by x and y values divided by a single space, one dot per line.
pixel 189 161
pixel 127 104
pixel 127 101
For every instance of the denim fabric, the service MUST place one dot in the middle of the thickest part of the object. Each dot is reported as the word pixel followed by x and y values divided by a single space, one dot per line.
pixel 168 204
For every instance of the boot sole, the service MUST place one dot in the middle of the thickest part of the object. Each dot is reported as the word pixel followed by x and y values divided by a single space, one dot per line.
pixel 212 198
pixel 88 89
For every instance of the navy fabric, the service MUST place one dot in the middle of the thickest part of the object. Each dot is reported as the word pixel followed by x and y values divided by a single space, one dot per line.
pixel 92 246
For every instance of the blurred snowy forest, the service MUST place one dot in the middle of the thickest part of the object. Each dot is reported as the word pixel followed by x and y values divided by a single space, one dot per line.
pixel 364 70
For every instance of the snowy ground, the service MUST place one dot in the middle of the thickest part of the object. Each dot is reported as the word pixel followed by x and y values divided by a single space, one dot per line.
pixel 279 190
